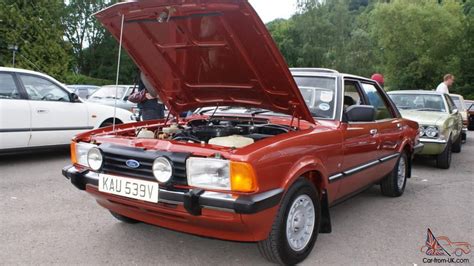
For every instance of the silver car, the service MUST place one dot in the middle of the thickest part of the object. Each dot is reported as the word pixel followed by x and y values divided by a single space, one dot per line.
pixel 108 94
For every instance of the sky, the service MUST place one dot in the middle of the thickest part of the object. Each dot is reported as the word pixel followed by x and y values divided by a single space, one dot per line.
pixel 269 10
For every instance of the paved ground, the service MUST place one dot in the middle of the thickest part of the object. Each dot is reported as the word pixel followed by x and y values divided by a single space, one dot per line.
pixel 44 220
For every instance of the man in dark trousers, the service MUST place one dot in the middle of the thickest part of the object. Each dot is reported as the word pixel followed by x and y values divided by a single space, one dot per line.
pixel 151 108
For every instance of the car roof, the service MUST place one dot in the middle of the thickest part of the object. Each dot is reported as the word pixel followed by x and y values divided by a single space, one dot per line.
pixel 415 92
pixel 305 71
pixel 25 71
pixel 83 86
pixel 456 95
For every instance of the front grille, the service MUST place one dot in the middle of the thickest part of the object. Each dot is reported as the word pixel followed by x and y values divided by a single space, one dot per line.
pixel 115 157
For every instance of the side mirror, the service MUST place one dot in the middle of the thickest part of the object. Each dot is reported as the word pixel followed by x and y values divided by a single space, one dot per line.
pixel 74 98
pixel 360 113
pixel 125 98
pixel 455 111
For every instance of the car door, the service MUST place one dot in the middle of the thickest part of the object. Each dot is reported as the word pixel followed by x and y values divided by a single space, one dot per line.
pixel 361 142
pixel 55 119
pixel 15 115
pixel 455 118
pixel 389 125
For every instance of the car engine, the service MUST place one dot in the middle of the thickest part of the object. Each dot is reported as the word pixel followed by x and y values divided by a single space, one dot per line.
pixel 227 132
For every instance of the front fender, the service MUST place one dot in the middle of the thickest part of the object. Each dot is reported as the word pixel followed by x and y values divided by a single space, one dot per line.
pixel 304 165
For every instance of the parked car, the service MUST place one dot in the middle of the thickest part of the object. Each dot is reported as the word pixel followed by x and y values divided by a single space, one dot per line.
pixel 37 111
pixel 470 114
pixel 440 122
pixel 267 176
pixel 83 91
pixel 107 94
pixel 462 108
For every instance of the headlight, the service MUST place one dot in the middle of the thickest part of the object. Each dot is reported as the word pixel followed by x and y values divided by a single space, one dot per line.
pixel 162 169
pixel 431 131
pixel 221 174
pixel 95 159
pixel 208 173
pixel 422 131
pixel 79 152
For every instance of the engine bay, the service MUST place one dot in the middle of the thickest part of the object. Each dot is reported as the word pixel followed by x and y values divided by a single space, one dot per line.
pixel 226 132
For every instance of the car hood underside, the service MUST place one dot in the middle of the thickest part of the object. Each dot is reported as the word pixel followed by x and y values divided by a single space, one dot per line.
pixel 198 53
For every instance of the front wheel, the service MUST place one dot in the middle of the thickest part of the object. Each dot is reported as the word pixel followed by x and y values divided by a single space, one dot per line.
pixel 393 185
pixel 457 145
pixel 443 160
pixel 296 226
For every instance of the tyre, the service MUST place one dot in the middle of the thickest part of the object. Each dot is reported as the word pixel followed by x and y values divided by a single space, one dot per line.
pixel 443 160
pixel 124 219
pixel 393 185
pixel 457 144
pixel 109 122
pixel 296 226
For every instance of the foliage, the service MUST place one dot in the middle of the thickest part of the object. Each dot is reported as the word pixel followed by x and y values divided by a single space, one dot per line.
pixel 34 26
pixel 81 28
pixel 81 79
pixel 418 39
pixel 412 42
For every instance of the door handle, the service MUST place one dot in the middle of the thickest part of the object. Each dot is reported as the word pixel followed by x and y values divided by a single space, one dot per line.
pixel 399 126
pixel 42 111
pixel 373 132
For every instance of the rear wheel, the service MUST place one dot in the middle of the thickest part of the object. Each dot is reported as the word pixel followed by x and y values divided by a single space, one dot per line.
pixel 443 160
pixel 124 219
pixel 296 226
pixel 393 185
pixel 457 144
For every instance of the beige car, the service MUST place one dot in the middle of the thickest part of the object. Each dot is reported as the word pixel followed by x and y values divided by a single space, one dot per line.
pixel 462 108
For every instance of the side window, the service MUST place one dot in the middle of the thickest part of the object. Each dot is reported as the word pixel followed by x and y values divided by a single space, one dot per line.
pixel 351 94
pixel 41 89
pixel 377 101
pixel 451 105
pixel 8 89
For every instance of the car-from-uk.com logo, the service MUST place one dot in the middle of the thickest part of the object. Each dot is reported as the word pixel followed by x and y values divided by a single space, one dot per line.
pixel 132 163
pixel 442 250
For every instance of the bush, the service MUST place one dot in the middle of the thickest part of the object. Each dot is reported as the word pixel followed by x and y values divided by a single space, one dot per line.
pixel 86 80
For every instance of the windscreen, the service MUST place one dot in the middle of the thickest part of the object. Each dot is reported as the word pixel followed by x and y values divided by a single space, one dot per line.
pixel 419 102
pixel 319 94
pixel 108 92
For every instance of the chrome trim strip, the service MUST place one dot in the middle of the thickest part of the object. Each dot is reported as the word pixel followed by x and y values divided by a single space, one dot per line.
pixel 438 141
pixel 384 159
pixel 354 170
pixel 336 176
pixel 360 168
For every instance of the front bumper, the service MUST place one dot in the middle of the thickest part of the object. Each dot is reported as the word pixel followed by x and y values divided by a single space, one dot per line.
pixel 432 146
pixel 193 200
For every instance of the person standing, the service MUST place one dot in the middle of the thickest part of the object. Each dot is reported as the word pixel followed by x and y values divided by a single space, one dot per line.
pixel 151 108
pixel 448 81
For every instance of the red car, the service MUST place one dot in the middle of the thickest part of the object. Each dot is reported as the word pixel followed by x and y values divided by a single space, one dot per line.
pixel 276 149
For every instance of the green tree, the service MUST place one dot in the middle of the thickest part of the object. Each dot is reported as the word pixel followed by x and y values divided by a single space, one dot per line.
pixel 81 29
pixel 35 27
pixel 419 41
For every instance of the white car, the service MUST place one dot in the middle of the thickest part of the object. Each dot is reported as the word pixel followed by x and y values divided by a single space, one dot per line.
pixel 38 111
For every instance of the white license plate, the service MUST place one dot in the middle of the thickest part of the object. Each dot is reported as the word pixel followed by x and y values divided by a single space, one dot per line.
pixel 129 187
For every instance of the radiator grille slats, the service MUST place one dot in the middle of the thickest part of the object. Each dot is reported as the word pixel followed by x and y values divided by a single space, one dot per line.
pixel 115 158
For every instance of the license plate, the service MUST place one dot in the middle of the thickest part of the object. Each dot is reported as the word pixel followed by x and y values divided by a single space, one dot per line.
pixel 128 187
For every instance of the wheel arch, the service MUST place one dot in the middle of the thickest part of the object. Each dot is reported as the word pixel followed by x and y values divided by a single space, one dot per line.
pixel 110 120
pixel 315 173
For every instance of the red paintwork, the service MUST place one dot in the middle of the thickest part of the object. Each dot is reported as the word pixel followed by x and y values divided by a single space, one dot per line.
pixel 316 151
pixel 209 52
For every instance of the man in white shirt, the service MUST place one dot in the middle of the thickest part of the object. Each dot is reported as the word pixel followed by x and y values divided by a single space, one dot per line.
pixel 443 87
